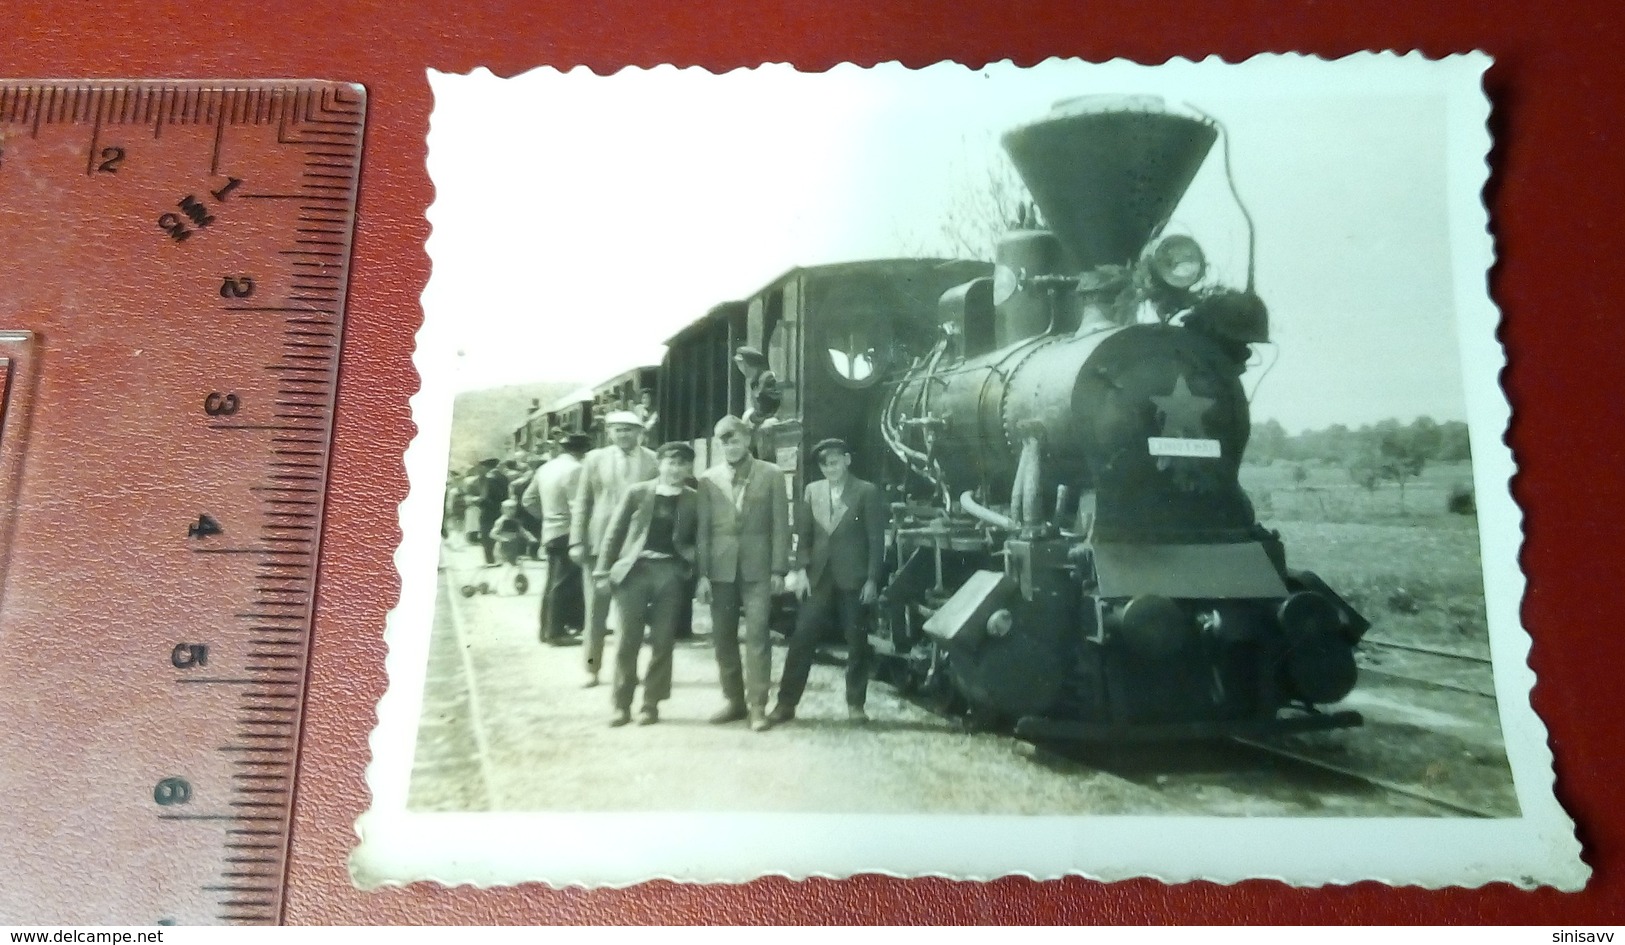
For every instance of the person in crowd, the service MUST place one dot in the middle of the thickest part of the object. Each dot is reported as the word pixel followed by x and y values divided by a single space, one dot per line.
pixel 744 553
pixel 762 397
pixel 647 554
pixel 473 503
pixel 840 546
pixel 495 492
pixel 549 496
pixel 529 512
pixel 646 410
pixel 509 539
pixel 605 475
pixel 452 518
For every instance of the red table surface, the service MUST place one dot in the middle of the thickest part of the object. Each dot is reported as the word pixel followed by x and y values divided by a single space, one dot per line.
pixel 1558 91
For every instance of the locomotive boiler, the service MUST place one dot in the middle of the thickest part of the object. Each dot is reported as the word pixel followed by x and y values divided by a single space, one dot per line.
pixel 1074 552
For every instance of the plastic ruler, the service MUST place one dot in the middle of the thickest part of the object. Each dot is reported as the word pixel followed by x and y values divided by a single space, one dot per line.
pixel 173 264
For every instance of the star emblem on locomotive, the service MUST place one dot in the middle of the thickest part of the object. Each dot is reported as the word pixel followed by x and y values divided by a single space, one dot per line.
pixel 1182 411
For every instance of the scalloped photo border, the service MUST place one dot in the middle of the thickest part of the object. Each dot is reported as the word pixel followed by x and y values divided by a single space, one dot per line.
pixel 1539 847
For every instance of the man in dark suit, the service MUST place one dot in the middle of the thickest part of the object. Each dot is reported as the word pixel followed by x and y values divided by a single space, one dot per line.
pixel 840 545
pixel 647 554
pixel 744 553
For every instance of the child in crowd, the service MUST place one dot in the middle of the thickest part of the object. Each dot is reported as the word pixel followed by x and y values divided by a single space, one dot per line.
pixel 510 538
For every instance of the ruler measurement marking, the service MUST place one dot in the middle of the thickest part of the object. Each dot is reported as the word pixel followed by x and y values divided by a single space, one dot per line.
pixel 241 817
pixel 273 308
pixel 214 161
pixel 95 135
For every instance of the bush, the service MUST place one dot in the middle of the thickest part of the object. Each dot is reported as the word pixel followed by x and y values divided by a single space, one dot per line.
pixel 1461 499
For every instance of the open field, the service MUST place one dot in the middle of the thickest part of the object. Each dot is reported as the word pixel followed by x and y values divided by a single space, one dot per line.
pixel 1413 569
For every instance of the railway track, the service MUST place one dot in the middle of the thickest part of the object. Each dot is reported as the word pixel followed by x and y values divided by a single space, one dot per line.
pixel 1475 668
pixel 1450 806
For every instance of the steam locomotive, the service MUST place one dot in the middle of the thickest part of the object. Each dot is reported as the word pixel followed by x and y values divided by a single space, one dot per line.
pixel 1078 555
pixel 1059 433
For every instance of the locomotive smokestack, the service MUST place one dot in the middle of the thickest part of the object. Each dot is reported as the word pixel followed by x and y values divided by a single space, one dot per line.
pixel 1108 170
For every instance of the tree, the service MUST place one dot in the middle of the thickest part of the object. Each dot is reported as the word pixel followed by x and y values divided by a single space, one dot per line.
pixel 1401 459
pixel 1268 443
pixel 1365 468
pixel 1453 442
pixel 1426 437
pixel 986 198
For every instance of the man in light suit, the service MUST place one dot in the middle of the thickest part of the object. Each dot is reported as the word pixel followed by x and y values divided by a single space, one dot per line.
pixel 605 475
pixel 744 553
pixel 548 498
pixel 840 547
pixel 647 554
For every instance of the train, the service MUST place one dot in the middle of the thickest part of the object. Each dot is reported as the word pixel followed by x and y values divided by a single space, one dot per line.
pixel 1058 432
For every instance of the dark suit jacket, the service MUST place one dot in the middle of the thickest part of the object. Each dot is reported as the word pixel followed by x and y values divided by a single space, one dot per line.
pixel 629 529
pixel 751 543
pixel 853 547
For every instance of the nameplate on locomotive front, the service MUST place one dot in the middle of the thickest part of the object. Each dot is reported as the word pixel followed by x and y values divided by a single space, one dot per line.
pixel 1182 446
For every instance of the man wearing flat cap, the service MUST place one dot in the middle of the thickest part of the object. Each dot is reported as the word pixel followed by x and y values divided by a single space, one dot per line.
pixel 647 554
pixel 744 553
pixel 605 475
pixel 549 497
pixel 762 397
pixel 840 547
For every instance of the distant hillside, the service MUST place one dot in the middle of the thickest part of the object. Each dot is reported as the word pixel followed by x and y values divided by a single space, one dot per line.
pixel 483 421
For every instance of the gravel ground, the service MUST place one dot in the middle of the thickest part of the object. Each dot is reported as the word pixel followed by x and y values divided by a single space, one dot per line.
pixel 507 726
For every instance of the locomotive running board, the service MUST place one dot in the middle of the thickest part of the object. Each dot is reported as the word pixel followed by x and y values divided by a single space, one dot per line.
pixel 1037 729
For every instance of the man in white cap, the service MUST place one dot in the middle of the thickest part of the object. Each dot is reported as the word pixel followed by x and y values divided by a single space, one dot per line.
pixel 605 475
pixel 743 554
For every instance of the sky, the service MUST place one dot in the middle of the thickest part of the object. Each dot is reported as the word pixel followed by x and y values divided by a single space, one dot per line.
pixel 580 220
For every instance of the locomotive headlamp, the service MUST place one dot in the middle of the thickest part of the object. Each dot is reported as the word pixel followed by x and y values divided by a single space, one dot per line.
pixel 1178 262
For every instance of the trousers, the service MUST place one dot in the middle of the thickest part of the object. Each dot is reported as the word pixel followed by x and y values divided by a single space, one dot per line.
pixel 562 603
pixel 742 684
pixel 824 603
pixel 598 614
pixel 647 598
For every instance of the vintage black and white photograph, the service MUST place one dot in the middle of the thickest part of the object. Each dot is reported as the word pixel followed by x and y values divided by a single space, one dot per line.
pixel 1083 468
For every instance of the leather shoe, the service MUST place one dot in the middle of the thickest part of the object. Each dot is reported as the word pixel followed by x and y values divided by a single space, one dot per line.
pixel 592 680
pixel 621 717
pixel 732 712
pixel 758 721
pixel 855 713
pixel 649 715
pixel 781 714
